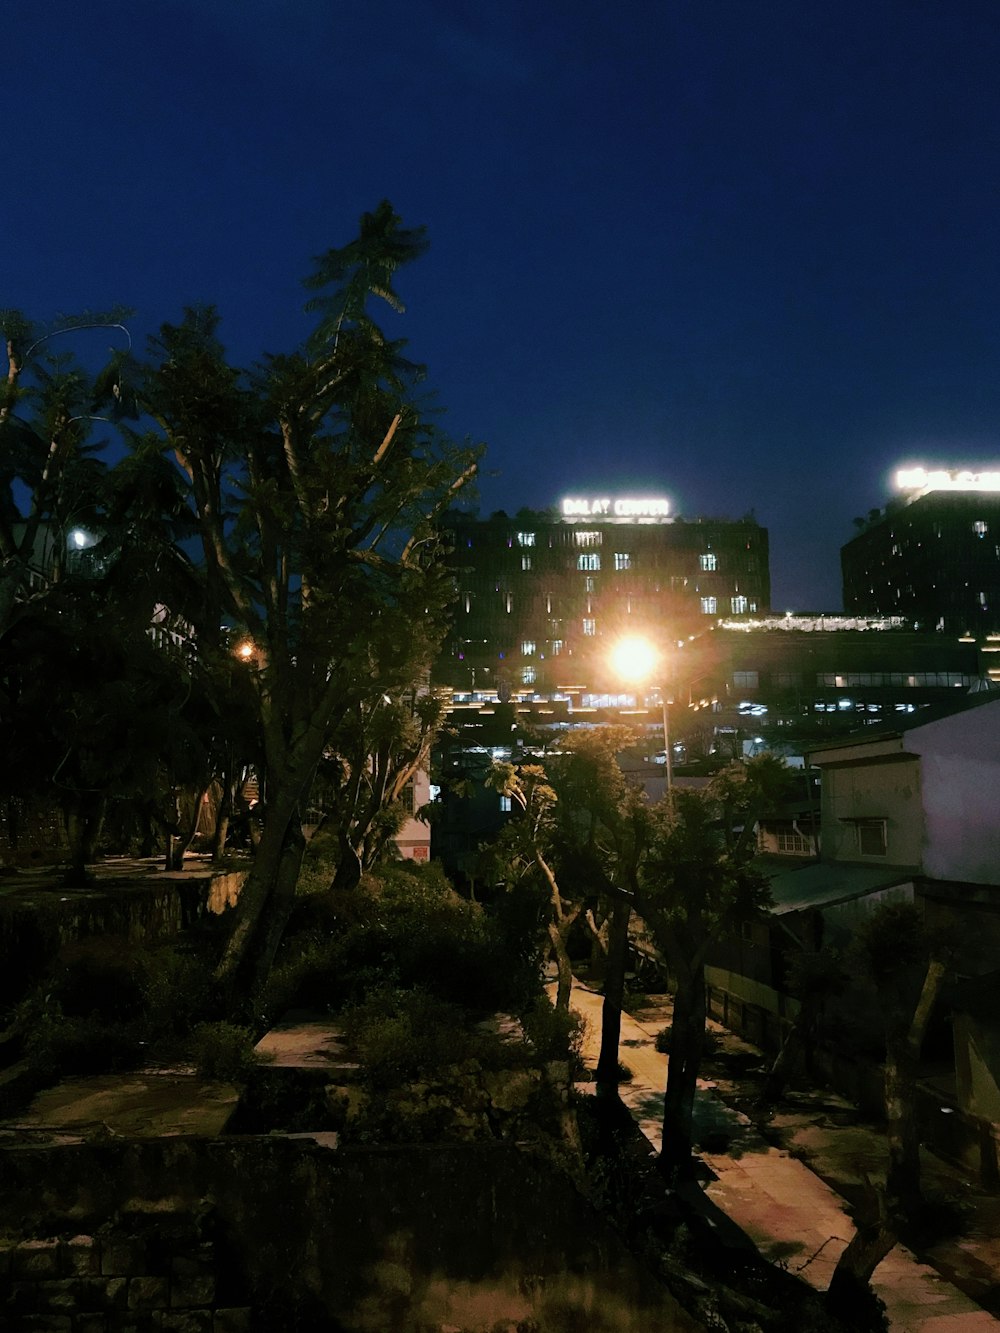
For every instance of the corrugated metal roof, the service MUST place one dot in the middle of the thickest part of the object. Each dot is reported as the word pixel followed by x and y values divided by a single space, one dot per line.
pixel 824 883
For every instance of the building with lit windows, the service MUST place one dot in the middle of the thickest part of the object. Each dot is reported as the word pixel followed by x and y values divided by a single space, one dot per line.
pixel 932 555
pixel 542 596
pixel 785 682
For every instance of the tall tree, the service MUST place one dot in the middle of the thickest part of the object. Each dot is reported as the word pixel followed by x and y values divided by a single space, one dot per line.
pixel 49 472
pixel 316 482
pixel 698 887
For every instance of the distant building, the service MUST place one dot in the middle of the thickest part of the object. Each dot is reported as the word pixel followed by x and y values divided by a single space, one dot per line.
pixel 781 682
pixel 932 556
pixel 542 596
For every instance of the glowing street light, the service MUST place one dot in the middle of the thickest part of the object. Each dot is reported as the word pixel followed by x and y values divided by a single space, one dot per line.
pixel 245 650
pixel 635 659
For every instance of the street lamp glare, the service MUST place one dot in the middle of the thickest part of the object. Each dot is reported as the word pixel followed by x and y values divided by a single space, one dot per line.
pixel 634 658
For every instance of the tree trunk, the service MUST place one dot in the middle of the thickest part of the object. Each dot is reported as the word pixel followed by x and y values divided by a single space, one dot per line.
pixel 849 1295
pixel 796 1038
pixel 258 962
pixel 222 817
pixel 687 1042
pixel 349 866
pixel 84 822
pixel 904 1038
pixel 257 893
pixel 902 1183
pixel 564 987
pixel 614 994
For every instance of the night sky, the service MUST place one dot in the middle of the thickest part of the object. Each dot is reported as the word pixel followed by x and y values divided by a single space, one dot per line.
pixel 744 253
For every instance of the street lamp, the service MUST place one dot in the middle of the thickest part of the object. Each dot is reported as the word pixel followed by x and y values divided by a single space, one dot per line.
pixel 635 659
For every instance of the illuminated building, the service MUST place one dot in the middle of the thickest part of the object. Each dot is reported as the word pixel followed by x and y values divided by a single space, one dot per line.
pixel 784 681
pixel 932 555
pixel 542 596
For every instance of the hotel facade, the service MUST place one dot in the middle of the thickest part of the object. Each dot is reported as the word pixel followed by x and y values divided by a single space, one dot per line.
pixel 542 596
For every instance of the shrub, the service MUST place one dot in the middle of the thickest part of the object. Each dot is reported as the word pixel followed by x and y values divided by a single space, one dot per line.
pixel 553 1034
pixel 224 1051
pixel 400 1035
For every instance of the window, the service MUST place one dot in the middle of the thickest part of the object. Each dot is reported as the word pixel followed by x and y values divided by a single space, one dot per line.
pixel 467 601
pixel 528 675
pixel 623 560
pixel 525 539
pixel 793 843
pixel 708 562
pixel 556 647
pixel 748 679
pixel 588 561
pixel 505 804
pixel 739 605
pixel 709 606
pixel 871 837
pixel 525 561
pixel 980 528
pixel 528 647
pixel 785 678
pixel 589 585
pixel 588 538
pixel 589 626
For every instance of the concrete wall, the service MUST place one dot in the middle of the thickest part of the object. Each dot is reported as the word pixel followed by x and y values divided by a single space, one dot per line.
pixel 889 789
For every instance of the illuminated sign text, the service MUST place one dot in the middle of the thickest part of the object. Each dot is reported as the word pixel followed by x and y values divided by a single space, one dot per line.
pixel 605 507
pixel 942 479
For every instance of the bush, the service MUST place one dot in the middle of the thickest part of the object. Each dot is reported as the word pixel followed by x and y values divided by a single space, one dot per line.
pixel 554 1035
pixel 662 1042
pixel 224 1051
pixel 400 1035
pixel 403 927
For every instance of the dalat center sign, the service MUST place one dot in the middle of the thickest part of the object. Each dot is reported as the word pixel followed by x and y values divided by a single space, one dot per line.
pixel 923 480
pixel 619 507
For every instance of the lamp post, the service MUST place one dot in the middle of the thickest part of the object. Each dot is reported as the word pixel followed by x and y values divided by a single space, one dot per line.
pixel 635 659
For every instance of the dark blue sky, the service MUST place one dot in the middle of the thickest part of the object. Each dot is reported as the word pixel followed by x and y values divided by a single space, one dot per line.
pixel 745 253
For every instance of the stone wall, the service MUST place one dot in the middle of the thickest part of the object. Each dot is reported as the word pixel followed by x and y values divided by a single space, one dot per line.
pixel 36 924
pixel 136 1276
pixel 470 1238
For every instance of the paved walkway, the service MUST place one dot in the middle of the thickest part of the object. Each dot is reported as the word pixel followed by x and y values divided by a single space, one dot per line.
pixel 791 1215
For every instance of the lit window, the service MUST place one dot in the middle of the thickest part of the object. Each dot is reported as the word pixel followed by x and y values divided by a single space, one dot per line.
pixel 467 600
pixel 589 585
pixel 528 647
pixel 556 647
pixel 525 539
pixel 748 679
pixel 505 803
pixel 739 605
pixel 708 562
pixel 980 528
pixel 589 626
pixel 528 675
pixel 623 560
pixel 588 561
pixel 525 561
pixel 709 606
pixel 587 538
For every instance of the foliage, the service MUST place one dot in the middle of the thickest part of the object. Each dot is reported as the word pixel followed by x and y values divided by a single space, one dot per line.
pixel 316 480
pixel 223 1051
pixel 402 926
pixel 108 1004
pixel 555 1034
pixel 402 1034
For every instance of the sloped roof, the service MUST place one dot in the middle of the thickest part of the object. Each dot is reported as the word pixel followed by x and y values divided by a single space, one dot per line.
pixel 823 883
